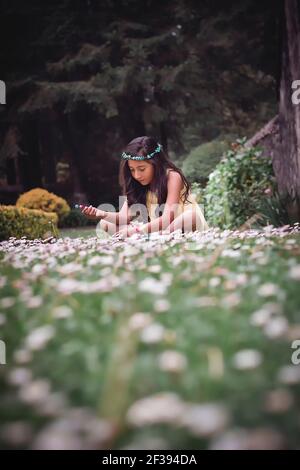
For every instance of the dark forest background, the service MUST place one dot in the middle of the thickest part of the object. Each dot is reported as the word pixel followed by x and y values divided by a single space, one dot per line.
pixel 85 77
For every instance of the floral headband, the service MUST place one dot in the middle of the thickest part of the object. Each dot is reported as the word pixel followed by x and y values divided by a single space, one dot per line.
pixel 127 156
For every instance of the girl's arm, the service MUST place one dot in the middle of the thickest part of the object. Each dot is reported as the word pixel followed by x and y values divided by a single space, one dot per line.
pixel 175 185
pixel 122 217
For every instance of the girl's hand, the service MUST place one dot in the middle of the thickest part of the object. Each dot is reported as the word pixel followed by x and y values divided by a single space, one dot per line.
pixel 124 232
pixel 90 212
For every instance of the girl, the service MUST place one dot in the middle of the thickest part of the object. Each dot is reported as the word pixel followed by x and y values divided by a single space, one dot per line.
pixel 155 189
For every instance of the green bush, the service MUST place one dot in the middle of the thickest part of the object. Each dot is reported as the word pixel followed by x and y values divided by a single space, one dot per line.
pixel 201 161
pixel 32 223
pixel 42 199
pixel 198 191
pixel 75 218
pixel 274 210
pixel 237 186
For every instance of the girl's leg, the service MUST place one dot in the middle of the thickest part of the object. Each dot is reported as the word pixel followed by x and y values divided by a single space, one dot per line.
pixel 109 227
pixel 188 221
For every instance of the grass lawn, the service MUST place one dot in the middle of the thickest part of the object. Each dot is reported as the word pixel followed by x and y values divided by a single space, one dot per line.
pixel 170 342
pixel 84 232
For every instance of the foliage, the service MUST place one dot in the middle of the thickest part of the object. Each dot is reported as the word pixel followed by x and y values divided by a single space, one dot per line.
pixel 42 199
pixel 31 223
pixel 237 186
pixel 201 161
pixel 274 210
pixel 148 65
pixel 75 218
pixel 198 191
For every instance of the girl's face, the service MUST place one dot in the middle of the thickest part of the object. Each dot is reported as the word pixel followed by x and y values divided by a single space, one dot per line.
pixel 141 171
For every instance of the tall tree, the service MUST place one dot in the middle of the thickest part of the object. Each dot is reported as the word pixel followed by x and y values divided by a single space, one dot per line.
pixel 286 158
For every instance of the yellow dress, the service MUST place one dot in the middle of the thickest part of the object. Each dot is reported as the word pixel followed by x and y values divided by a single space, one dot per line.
pixel 191 203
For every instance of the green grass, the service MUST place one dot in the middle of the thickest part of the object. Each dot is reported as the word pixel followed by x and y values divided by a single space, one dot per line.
pixel 84 232
pixel 203 299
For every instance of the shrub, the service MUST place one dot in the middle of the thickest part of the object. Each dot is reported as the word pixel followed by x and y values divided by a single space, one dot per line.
pixel 198 191
pixel 237 186
pixel 32 223
pixel 39 198
pixel 75 218
pixel 274 210
pixel 201 161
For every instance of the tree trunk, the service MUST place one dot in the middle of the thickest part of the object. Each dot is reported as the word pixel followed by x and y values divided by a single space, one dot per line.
pixel 31 160
pixel 286 159
pixel 80 194
pixel 47 146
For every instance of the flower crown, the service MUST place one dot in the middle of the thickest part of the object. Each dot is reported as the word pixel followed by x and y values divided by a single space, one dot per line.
pixel 127 156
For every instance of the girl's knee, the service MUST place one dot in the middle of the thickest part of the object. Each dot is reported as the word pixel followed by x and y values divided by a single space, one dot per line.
pixel 198 221
pixel 107 227
pixel 192 221
pixel 103 225
pixel 189 220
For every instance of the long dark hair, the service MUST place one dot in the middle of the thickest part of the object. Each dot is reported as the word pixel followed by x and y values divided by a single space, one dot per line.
pixel 135 192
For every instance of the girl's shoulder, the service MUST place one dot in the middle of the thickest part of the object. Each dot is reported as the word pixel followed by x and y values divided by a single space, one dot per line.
pixel 169 170
pixel 151 196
